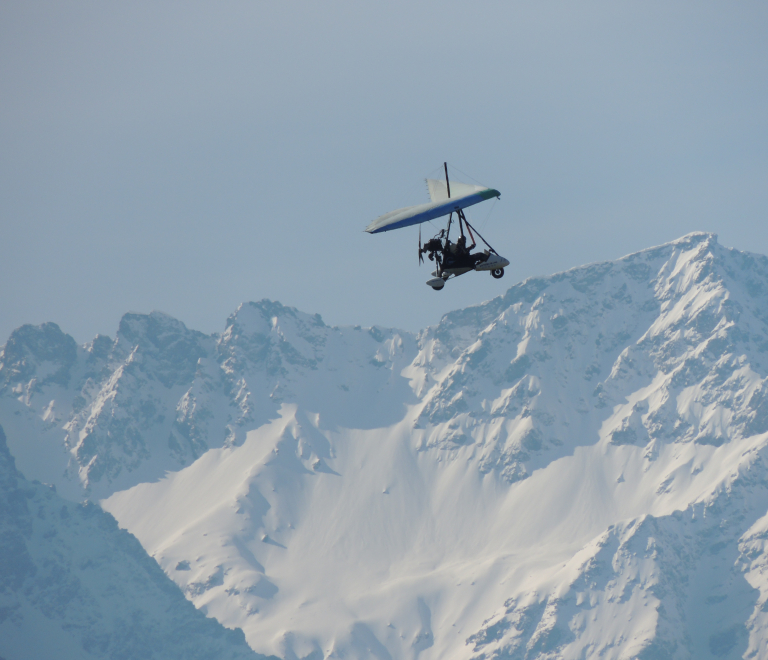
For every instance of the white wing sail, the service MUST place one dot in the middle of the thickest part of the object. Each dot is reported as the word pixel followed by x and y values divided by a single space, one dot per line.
pixel 438 190
pixel 465 195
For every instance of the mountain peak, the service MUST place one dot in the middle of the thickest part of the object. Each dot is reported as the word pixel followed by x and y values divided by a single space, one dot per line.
pixel 155 329
pixel 31 347
pixel 695 237
pixel 261 316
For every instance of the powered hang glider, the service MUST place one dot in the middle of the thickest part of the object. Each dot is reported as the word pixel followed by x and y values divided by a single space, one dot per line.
pixel 451 259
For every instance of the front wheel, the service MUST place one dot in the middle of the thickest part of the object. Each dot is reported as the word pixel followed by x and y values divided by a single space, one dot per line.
pixel 497 273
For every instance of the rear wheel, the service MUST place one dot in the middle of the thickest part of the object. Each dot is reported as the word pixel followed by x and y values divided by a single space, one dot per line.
pixel 497 273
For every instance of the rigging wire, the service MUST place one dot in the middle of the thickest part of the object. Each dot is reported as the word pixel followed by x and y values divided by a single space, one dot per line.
pixel 465 174
pixel 488 215
pixel 493 206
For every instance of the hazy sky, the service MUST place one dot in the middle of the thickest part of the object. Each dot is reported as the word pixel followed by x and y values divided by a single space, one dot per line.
pixel 187 156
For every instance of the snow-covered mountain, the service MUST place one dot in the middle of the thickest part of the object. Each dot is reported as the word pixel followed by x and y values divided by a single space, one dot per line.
pixel 114 413
pixel 574 469
pixel 73 585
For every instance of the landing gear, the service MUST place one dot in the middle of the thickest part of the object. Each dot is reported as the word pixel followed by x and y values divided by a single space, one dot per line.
pixel 497 273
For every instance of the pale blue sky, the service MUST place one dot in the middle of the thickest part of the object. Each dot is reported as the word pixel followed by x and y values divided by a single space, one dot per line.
pixel 188 156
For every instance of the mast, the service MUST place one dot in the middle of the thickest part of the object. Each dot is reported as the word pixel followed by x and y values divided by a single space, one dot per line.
pixel 448 186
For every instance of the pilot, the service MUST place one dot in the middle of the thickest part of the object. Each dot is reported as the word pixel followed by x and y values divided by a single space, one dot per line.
pixel 452 252
pixel 459 252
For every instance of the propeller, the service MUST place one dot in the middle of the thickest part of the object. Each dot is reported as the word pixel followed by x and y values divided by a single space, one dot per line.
pixel 421 256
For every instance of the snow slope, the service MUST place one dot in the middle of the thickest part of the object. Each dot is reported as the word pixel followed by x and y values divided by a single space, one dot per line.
pixel 574 469
pixel 73 585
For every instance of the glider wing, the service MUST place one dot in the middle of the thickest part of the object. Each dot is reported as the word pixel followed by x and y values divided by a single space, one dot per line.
pixel 439 206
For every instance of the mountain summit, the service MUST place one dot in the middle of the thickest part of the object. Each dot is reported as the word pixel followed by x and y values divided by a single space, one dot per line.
pixel 574 469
